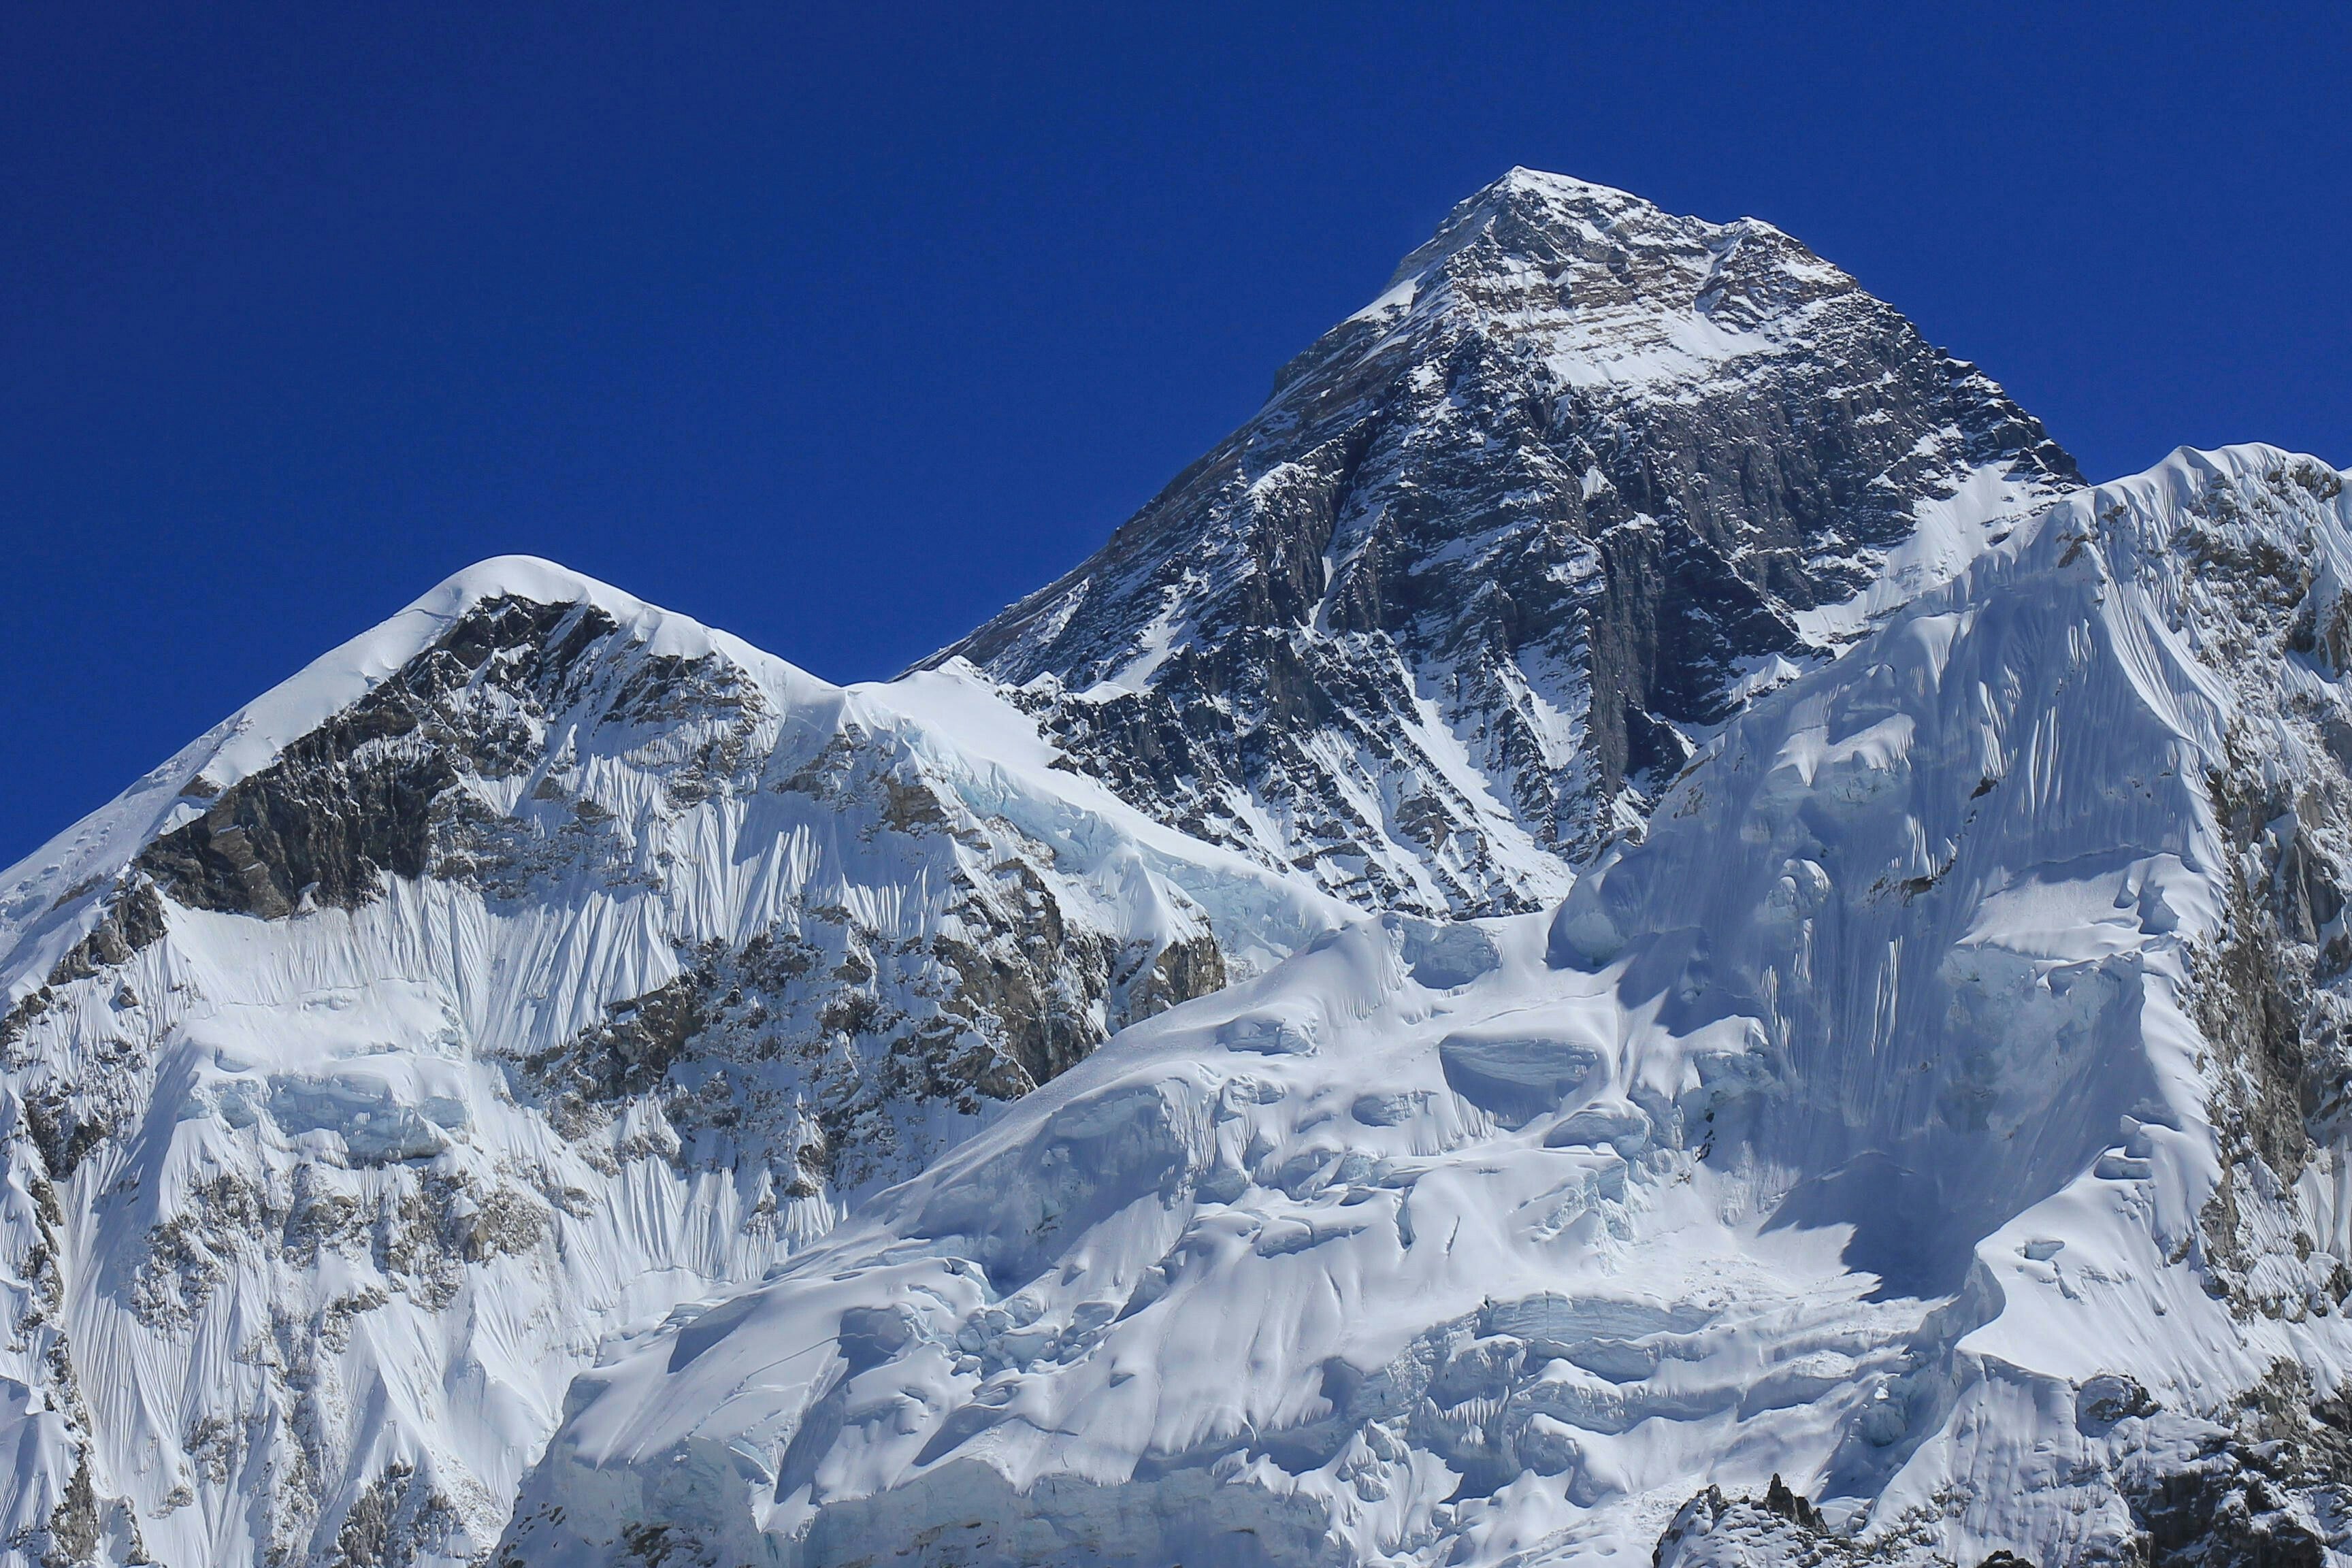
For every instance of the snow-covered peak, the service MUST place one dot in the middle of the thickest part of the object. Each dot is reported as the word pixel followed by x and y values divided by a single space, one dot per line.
pixel 96 850
pixel 532 577
pixel 1519 177
pixel 1561 226
pixel 252 737
pixel 530 963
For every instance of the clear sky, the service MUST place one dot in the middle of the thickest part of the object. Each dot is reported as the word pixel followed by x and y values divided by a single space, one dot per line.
pixel 840 327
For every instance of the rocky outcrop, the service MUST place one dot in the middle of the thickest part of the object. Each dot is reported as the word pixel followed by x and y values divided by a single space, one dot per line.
pixel 804 1048
pixel 362 796
pixel 2273 985
pixel 1713 1531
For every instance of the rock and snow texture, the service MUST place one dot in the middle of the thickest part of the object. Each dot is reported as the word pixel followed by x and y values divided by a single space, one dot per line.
pixel 1926 1144
pixel 1504 545
pixel 532 964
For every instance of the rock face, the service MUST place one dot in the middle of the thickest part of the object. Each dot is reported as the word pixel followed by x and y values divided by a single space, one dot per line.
pixel 1504 545
pixel 535 963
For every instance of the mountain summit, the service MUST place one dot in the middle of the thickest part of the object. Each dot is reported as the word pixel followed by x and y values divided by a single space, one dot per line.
pixel 1504 546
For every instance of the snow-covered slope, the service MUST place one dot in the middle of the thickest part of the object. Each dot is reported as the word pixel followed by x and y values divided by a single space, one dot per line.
pixel 1939 1111
pixel 1502 546
pixel 525 967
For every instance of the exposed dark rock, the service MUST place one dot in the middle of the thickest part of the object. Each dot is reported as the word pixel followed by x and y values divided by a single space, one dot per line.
pixel 397 1521
pixel 366 1531
pixel 2255 1494
pixel 630 1052
pixel 804 1048
pixel 73 1524
pixel 66 1118
pixel 1713 1531
pixel 130 922
pixel 2229 1509
pixel 1789 1505
pixel 372 792
pixel 2108 1398
pixel 2269 995
pixel 420 1231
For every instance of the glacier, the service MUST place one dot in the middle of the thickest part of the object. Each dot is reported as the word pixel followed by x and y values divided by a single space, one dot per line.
pixel 1882 1122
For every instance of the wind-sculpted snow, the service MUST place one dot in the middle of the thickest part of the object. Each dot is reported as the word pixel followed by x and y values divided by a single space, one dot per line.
pixel 525 968
pixel 1893 1157
pixel 1504 545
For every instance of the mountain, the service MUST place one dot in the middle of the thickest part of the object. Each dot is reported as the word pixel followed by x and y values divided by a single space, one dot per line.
pixel 1059 1094
pixel 1927 1144
pixel 1505 545
pixel 527 966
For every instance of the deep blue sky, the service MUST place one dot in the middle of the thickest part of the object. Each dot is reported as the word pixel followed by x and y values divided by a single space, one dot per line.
pixel 841 327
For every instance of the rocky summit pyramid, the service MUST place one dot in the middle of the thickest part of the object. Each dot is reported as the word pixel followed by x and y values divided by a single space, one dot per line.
pixel 1504 546
pixel 551 1083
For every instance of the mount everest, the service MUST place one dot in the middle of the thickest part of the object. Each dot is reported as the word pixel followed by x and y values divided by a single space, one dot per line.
pixel 1505 544
pixel 1628 927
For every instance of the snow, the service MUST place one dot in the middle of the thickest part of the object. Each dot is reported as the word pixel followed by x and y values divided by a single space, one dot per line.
pixel 990 753
pixel 1854 1128
pixel 1947 534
